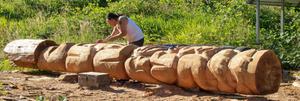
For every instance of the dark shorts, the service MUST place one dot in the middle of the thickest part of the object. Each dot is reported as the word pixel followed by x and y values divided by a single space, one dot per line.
pixel 138 43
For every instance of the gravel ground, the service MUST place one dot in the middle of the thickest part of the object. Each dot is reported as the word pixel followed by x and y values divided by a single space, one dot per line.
pixel 16 86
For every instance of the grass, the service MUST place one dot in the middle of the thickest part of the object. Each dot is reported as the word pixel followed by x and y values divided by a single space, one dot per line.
pixel 230 22
pixel 5 65
pixel 297 74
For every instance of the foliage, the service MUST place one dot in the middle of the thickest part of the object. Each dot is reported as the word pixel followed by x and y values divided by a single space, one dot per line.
pixel 5 65
pixel 40 98
pixel 62 98
pixel 228 22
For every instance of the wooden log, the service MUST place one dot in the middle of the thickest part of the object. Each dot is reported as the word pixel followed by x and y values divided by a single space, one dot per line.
pixel 80 58
pixel 238 66
pixel 208 67
pixel 139 68
pixel 53 58
pixel 25 52
pixel 208 51
pixel 186 50
pixel 173 50
pixel 148 50
pixel 184 72
pixel 112 61
pixel 218 65
pixel 164 67
pixel 202 75
pixel 101 46
pixel 265 72
pixel 200 71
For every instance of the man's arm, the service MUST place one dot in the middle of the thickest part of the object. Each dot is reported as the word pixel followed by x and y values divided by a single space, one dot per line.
pixel 114 32
pixel 123 21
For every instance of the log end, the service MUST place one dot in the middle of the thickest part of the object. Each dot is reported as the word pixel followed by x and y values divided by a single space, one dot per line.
pixel 268 72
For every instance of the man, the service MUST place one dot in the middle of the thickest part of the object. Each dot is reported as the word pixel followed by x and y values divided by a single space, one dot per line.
pixel 123 27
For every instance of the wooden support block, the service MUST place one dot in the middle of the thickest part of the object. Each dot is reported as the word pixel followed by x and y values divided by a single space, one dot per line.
pixel 93 79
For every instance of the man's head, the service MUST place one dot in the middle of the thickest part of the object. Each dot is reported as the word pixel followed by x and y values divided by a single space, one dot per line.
pixel 112 19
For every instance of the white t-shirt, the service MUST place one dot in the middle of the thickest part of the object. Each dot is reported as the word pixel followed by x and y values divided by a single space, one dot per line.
pixel 134 32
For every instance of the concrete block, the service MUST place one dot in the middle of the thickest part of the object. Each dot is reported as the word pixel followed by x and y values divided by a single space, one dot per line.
pixel 93 79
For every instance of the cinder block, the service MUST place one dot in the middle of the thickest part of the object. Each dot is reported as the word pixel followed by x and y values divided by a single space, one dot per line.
pixel 93 79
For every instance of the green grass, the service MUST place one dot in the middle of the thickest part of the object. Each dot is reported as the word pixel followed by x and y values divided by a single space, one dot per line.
pixel 60 98
pixel 297 74
pixel 5 65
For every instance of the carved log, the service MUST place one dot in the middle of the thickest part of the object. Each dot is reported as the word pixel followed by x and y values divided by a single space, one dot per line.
pixel 80 58
pixel 25 52
pixel 112 61
pixel 139 68
pixel 164 67
pixel 53 58
pixel 217 69
pixel 257 73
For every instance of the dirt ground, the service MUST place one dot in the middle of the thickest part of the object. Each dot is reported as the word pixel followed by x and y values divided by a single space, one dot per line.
pixel 16 86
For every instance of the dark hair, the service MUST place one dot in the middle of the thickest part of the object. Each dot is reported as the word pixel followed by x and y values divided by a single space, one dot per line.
pixel 113 16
